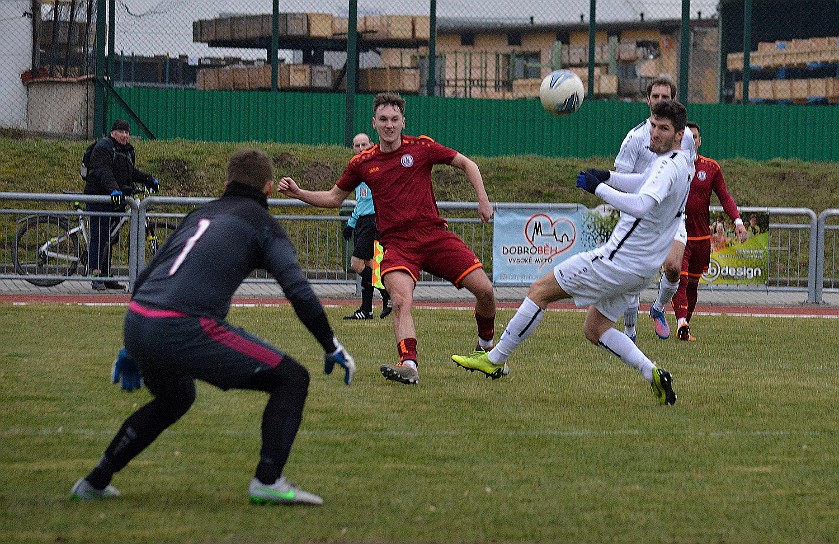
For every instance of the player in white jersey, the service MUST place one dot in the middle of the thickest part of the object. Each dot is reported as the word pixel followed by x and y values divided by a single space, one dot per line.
pixel 635 156
pixel 609 278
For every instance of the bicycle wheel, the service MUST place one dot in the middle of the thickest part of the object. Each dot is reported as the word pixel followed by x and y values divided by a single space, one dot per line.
pixel 156 233
pixel 45 245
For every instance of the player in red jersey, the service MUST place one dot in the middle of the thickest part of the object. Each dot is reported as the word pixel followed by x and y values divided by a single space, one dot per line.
pixel 697 255
pixel 414 236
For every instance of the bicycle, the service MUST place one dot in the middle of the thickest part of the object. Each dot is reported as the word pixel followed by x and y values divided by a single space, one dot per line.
pixel 55 245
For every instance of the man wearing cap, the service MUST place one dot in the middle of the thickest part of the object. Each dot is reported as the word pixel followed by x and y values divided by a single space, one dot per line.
pixel 112 173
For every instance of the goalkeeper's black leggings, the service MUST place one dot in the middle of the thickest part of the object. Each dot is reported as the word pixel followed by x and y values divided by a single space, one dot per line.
pixel 287 385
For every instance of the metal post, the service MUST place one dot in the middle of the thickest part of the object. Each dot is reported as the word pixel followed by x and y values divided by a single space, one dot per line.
pixel 352 72
pixel 99 103
pixel 111 37
pixel 684 69
pixel 431 89
pixel 815 292
pixel 137 240
pixel 592 28
pixel 275 45
pixel 747 48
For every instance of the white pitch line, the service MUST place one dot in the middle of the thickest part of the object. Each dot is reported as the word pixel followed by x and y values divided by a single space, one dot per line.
pixel 17 432
pixel 741 314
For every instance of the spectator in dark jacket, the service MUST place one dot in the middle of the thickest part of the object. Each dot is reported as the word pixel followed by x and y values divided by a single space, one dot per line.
pixel 111 172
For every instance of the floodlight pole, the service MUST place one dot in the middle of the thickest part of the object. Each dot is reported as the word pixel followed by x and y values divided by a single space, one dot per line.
pixel 275 46
pixel 592 28
pixel 99 104
pixel 685 53
pixel 112 30
pixel 352 72
pixel 747 48
pixel 431 86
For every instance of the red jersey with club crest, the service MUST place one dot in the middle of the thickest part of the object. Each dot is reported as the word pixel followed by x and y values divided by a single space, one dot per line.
pixel 400 182
pixel 708 178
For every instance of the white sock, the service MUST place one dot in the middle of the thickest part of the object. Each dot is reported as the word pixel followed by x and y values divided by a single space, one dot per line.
pixel 485 345
pixel 520 327
pixel 630 318
pixel 625 349
pixel 410 363
pixel 666 290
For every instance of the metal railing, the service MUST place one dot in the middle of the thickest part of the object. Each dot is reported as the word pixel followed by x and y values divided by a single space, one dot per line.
pixel 827 254
pixel 793 250
pixel 803 247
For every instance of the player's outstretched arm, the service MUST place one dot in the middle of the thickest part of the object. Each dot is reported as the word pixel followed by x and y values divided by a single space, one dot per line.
pixel 288 187
pixel 594 182
pixel 332 198
pixel 473 174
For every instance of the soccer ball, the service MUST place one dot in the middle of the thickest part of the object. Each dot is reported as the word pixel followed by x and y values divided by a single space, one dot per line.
pixel 561 92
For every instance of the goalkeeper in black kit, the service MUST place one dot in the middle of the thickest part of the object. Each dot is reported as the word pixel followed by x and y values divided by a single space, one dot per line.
pixel 176 332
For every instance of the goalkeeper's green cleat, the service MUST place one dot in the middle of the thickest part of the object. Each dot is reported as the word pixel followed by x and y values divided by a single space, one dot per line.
pixel 280 492
pixel 662 386
pixel 479 360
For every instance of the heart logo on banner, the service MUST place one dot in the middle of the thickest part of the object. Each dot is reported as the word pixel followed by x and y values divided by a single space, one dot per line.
pixel 550 237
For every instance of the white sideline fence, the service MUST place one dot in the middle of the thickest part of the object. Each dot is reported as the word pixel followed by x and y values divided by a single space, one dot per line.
pixel 803 247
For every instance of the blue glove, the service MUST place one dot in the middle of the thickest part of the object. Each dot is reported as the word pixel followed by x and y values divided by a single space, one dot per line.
pixel 125 368
pixel 341 357
pixel 153 186
pixel 588 180
pixel 117 197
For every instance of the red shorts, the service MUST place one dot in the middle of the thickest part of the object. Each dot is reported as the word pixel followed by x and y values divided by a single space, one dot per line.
pixel 432 249
pixel 697 257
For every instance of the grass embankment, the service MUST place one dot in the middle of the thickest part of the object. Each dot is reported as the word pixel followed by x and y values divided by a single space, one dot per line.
pixel 198 168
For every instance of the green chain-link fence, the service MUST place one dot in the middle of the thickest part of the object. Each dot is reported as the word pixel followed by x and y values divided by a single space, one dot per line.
pixel 735 51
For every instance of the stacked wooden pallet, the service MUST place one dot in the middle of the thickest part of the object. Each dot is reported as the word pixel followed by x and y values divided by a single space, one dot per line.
pixel 248 78
pixel 791 54
pixel 377 80
pixel 790 90
pixel 245 27
pixel 386 27
pixel 314 25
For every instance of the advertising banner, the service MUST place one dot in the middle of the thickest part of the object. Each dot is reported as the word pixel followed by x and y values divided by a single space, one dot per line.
pixel 735 263
pixel 527 242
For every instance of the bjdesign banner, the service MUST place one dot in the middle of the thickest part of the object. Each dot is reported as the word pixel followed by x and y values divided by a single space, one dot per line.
pixel 735 263
pixel 527 242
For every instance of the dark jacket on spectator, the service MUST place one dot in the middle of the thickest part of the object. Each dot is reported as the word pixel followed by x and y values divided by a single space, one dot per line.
pixel 112 167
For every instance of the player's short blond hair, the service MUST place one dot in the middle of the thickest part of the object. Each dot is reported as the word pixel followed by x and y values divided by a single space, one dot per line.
pixel 250 167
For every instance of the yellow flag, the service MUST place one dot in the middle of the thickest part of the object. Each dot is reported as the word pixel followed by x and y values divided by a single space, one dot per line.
pixel 378 255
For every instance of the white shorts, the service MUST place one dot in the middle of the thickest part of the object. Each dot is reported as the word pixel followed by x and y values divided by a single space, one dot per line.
pixel 591 280
pixel 681 234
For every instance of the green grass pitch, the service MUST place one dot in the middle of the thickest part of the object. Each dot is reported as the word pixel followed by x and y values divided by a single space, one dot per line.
pixel 571 447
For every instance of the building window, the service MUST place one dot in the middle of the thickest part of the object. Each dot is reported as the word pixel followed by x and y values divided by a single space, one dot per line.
pixel 467 39
pixel 514 38
pixel 526 65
